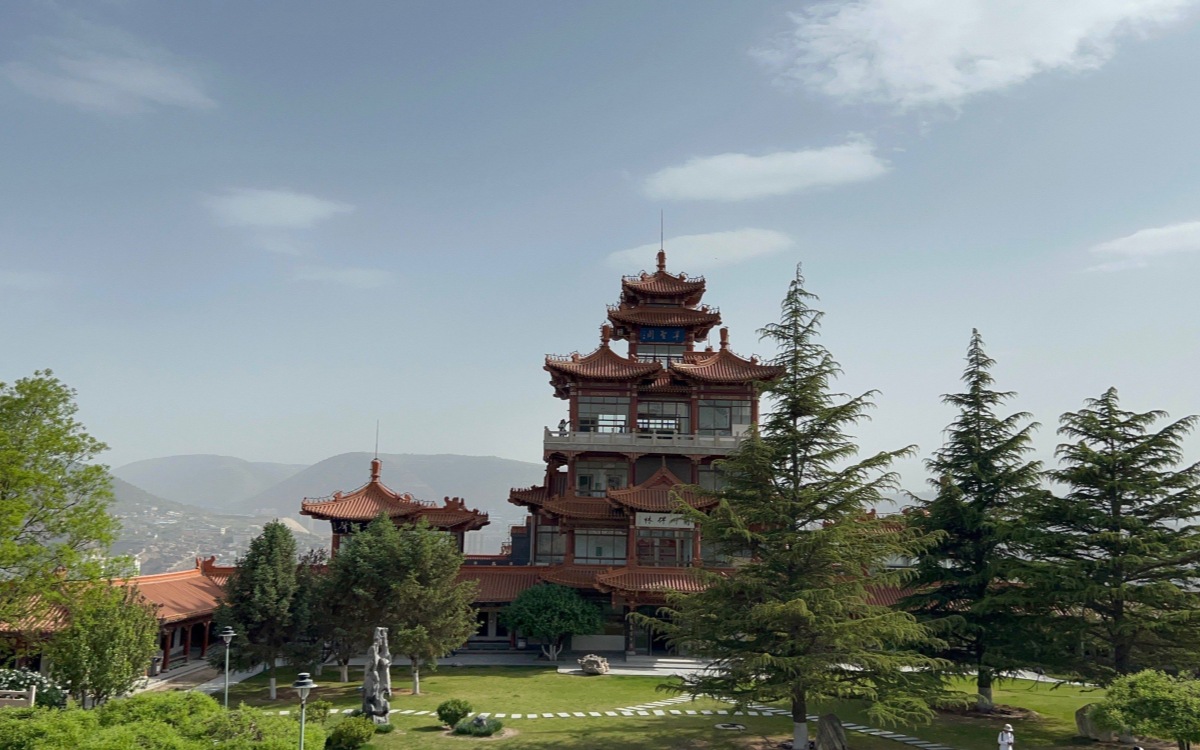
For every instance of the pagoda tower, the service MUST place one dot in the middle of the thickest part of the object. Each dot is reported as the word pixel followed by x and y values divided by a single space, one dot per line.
pixel 637 426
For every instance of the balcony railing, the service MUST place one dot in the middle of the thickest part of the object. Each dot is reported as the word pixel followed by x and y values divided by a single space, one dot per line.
pixel 641 442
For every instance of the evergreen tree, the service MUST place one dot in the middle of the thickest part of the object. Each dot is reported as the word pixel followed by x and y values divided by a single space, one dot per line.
pixel 796 619
pixel 106 646
pixel 402 578
pixel 258 602
pixel 982 476
pixel 54 520
pixel 1119 552
pixel 307 647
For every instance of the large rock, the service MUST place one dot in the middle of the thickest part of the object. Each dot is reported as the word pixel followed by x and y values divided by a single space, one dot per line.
pixel 830 734
pixel 593 664
pixel 1087 727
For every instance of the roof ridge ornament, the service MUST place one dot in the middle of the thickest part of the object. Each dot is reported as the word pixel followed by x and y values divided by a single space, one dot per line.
pixel 376 468
pixel 605 335
pixel 662 261
pixel 724 338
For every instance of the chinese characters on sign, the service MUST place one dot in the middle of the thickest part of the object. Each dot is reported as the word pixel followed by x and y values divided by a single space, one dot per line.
pixel 663 521
pixel 661 335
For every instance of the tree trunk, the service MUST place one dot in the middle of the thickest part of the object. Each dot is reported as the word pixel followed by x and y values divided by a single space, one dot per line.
pixel 799 719
pixel 983 685
pixel 272 681
pixel 1122 656
pixel 345 670
pixel 416 674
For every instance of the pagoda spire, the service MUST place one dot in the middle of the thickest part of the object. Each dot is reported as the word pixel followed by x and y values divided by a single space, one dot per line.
pixel 376 468
pixel 662 260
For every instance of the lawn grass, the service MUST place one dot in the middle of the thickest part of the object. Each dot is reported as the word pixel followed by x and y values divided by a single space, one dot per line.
pixel 541 689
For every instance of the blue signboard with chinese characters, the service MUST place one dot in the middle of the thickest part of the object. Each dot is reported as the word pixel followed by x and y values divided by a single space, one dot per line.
pixel 654 335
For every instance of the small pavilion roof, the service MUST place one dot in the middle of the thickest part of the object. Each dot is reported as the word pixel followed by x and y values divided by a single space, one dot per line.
pixel 180 596
pixel 663 284
pixel 500 583
pixel 700 319
pixel 535 496
pixel 574 506
pixel 655 494
pixel 643 580
pixel 724 367
pixel 602 364
pixel 363 504
pixel 576 576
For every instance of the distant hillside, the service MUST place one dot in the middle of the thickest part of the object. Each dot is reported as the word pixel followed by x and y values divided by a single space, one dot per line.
pixel 216 483
pixel 484 481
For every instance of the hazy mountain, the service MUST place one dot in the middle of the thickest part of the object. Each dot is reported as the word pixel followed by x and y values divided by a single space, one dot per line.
pixel 165 535
pixel 219 483
pixel 484 481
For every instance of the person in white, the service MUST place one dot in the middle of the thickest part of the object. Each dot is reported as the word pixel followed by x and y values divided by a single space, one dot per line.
pixel 1006 739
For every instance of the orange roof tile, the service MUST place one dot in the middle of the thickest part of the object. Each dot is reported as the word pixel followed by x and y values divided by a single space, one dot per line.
pixel 529 496
pixel 658 494
pixel 704 318
pixel 724 367
pixel 638 580
pixel 452 518
pixel 363 504
pixel 663 284
pixel 573 506
pixel 602 364
pixel 577 576
pixel 500 583
pixel 887 596
pixel 180 596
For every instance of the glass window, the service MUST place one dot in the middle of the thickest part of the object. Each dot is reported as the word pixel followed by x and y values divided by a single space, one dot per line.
pixel 664 417
pixel 720 417
pixel 711 478
pixel 600 546
pixel 603 414
pixel 664 353
pixel 594 478
pixel 550 545
pixel 664 548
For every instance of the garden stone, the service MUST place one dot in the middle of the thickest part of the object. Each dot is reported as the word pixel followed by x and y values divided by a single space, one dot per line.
pixel 830 733
pixel 593 664
pixel 1087 727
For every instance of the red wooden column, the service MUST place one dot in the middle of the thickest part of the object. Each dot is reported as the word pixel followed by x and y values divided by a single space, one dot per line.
pixel 696 548
pixel 187 643
pixel 167 650
pixel 204 643
pixel 569 551
pixel 631 541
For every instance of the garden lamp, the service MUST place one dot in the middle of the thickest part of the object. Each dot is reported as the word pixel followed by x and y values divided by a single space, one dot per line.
pixel 227 635
pixel 303 685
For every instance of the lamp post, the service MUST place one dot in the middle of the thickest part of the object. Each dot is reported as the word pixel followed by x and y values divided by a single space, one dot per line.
pixel 303 684
pixel 227 635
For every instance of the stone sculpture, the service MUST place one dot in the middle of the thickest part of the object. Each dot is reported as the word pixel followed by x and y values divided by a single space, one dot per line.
pixel 377 679
pixel 593 664
pixel 830 734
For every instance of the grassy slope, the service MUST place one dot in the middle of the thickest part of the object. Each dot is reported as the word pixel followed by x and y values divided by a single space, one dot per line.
pixel 542 689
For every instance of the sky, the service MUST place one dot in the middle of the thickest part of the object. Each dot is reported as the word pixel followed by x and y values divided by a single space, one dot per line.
pixel 255 229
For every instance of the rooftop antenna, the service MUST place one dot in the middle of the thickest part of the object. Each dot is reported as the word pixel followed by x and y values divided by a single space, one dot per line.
pixel 662 252
pixel 376 438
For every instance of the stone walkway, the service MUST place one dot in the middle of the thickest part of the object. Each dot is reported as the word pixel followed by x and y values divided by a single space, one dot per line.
pixel 665 708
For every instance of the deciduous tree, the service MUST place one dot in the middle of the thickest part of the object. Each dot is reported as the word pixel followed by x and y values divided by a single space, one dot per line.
pixel 551 613
pixel 1153 703
pixel 796 619
pixel 982 475
pixel 54 521
pixel 106 646
pixel 258 602
pixel 1118 552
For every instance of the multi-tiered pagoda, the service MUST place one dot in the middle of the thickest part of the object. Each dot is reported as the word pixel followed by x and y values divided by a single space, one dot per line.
pixel 639 424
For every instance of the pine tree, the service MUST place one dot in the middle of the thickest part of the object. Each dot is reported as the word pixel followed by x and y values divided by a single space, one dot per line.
pixel 982 476
pixel 796 619
pixel 1119 551
pixel 258 602
pixel 402 578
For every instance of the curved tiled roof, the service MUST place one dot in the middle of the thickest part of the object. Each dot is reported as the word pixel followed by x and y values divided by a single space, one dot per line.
pixel 375 497
pixel 180 596
pixel 658 494
pixel 500 583
pixel 663 284
pixel 536 495
pixel 577 576
pixel 724 367
pixel 669 317
pixel 638 580
pixel 602 364
pixel 573 506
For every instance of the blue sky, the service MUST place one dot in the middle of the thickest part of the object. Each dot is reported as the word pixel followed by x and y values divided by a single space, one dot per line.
pixel 255 229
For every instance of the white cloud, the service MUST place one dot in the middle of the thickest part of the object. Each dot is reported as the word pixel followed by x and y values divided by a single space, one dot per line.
pixel 272 209
pixel 913 53
pixel 697 252
pixel 27 281
pixel 102 69
pixel 738 177
pixel 1136 250
pixel 358 278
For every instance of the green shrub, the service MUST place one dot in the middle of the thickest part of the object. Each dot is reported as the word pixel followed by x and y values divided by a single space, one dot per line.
pixel 318 711
pixel 181 709
pixel 453 711
pixel 246 727
pixel 478 727
pixel 142 735
pixel 384 728
pixel 351 734
pixel 49 693
pixel 46 729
